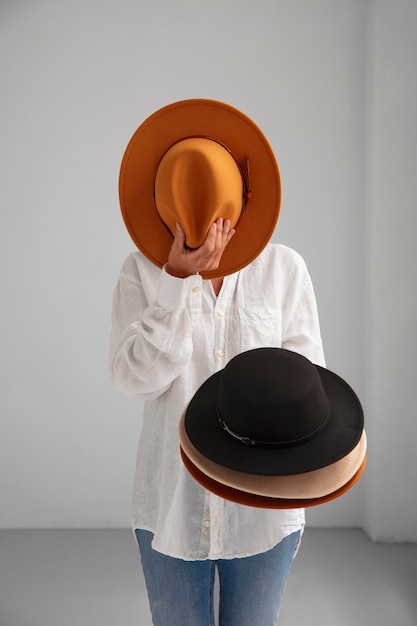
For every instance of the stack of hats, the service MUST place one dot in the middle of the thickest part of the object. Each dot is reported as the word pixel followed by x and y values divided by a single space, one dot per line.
pixel 273 430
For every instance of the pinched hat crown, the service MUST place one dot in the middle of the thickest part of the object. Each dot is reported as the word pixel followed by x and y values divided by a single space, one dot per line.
pixel 196 182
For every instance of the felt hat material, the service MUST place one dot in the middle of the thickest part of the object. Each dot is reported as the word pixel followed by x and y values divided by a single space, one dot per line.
pixel 274 425
pixel 232 163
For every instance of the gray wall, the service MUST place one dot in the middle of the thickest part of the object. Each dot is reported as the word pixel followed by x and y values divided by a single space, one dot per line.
pixel 332 85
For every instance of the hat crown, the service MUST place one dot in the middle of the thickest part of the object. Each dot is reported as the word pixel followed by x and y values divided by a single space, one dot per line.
pixel 198 181
pixel 270 397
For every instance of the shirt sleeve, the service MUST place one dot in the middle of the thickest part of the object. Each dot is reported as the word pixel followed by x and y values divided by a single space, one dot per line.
pixel 153 318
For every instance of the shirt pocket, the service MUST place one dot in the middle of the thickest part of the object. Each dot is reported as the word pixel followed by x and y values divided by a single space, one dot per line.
pixel 259 327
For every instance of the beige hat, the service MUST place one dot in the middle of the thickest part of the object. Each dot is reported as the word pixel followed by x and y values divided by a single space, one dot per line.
pixel 275 492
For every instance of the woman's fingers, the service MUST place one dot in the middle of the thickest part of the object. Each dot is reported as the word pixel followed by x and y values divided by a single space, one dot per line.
pixel 183 262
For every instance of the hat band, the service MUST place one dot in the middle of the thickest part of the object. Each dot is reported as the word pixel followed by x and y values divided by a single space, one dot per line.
pixel 248 441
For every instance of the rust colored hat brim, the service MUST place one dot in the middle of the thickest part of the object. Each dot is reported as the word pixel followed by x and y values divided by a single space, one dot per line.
pixel 219 121
pixel 288 491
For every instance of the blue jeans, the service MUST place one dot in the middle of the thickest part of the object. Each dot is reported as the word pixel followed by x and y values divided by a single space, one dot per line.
pixel 251 588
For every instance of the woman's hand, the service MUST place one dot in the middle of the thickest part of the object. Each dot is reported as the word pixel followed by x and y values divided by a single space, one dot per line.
pixel 183 262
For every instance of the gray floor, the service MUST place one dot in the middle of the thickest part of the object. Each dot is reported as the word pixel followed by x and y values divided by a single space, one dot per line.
pixel 93 578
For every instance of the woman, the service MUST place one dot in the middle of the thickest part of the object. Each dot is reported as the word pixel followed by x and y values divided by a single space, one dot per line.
pixel 204 286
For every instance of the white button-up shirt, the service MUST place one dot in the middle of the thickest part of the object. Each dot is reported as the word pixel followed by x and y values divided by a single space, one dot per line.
pixel 168 336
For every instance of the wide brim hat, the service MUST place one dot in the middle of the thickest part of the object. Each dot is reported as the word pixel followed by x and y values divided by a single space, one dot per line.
pixel 252 152
pixel 242 442
pixel 275 492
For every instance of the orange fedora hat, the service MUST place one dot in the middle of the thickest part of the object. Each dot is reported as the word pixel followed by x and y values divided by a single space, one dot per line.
pixel 228 168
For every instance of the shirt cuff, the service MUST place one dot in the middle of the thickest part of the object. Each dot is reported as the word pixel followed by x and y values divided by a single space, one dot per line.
pixel 179 293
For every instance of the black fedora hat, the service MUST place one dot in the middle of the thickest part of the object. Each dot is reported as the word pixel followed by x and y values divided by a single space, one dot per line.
pixel 272 413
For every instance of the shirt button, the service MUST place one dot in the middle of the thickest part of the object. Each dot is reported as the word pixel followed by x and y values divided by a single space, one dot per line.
pixel 206 524
pixel 195 289
pixel 220 313
pixel 220 352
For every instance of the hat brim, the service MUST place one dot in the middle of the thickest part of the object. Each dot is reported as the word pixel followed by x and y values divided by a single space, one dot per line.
pixel 339 437
pixel 264 502
pixel 199 117
pixel 294 491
